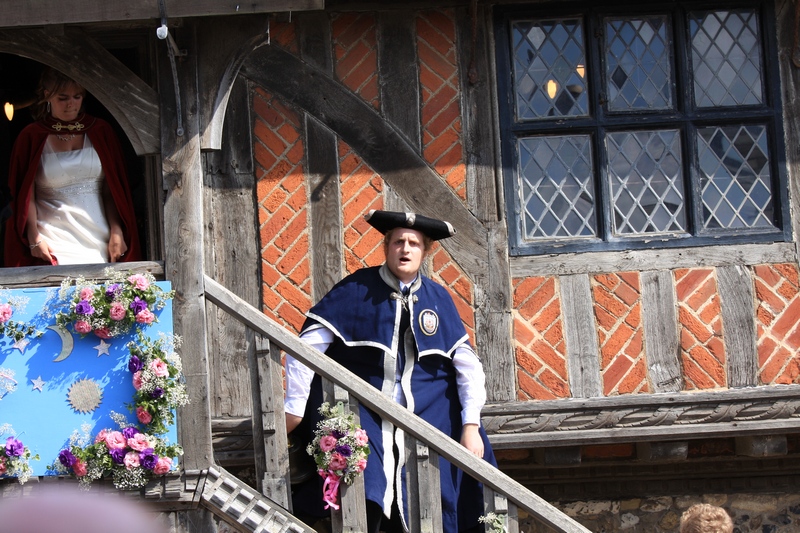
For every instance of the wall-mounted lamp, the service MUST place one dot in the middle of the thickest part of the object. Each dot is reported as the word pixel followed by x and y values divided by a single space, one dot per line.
pixel 552 88
pixel 9 109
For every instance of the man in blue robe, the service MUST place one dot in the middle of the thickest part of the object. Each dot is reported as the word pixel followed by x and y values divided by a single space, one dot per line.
pixel 400 332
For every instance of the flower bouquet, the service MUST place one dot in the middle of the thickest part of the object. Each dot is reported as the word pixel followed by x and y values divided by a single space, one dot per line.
pixel 340 448
pixel 14 457
pixel 158 381
pixel 131 457
pixel 112 308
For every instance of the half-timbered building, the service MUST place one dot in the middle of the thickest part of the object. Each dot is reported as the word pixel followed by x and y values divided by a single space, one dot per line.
pixel 623 181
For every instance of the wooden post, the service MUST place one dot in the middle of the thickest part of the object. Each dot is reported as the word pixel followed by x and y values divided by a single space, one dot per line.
pixel 183 235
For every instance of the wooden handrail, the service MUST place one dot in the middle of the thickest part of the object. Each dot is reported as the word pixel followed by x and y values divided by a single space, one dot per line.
pixel 389 410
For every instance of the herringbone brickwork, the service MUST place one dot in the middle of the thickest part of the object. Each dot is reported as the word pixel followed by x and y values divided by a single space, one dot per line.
pixel 441 110
pixel 618 312
pixel 700 319
pixel 282 213
pixel 361 191
pixel 541 352
pixel 778 323
pixel 283 34
pixel 355 54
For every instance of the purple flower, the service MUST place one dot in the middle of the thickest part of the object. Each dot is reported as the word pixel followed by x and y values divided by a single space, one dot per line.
pixel 338 434
pixel 14 447
pixel 84 308
pixel 345 450
pixel 118 455
pixel 67 458
pixel 129 432
pixel 158 392
pixel 134 364
pixel 148 459
pixel 138 305
pixel 113 290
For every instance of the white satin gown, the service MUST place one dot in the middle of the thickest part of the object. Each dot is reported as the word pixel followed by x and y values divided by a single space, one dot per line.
pixel 69 205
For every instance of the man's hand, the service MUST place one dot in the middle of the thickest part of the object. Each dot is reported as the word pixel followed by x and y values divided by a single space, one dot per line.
pixel 471 439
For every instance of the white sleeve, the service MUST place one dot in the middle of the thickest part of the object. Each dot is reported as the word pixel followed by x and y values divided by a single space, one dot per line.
pixel 471 382
pixel 299 376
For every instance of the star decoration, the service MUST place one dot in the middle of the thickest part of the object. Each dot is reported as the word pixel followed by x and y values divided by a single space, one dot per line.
pixel 38 383
pixel 21 345
pixel 102 348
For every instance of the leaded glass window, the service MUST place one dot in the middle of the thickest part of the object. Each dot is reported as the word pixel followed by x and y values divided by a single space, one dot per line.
pixel 643 129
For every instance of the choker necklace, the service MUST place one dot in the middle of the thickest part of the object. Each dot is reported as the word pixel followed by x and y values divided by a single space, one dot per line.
pixel 65 138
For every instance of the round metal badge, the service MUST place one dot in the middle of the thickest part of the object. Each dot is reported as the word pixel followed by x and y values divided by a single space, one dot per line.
pixel 428 322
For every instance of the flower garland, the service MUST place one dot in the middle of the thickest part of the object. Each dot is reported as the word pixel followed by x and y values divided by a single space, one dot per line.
pixel 14 458
pixel 129 456
pixel 112 308
pixel 495 523
pixel 132 455
pixel 158 381
pixel 14 328
pixel 340 448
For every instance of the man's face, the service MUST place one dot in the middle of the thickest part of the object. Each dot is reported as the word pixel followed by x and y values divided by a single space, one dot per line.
pixel 404 253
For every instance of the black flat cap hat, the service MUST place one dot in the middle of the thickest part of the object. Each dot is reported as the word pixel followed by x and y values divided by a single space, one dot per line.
pixel 386 221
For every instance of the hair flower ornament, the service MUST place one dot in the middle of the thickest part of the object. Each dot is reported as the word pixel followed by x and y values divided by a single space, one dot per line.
pixel 340 449
pixel 112 308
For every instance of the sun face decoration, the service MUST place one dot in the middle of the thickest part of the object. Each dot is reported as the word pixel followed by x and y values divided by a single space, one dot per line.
pixel 85 395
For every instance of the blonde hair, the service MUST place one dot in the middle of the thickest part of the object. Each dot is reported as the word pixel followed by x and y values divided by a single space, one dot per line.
pixel 51 82
pixel 706 518
pixel 427 242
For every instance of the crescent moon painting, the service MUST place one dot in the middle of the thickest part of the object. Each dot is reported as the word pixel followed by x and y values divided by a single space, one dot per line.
pixel 67 342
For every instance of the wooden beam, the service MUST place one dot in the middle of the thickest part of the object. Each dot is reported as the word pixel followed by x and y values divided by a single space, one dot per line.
pixel 44 12
pixel 184 253
pixel 132 102
pixel 662 343
pixel 580 332
pixel 770 410
pixel 660 259
pixel 381 146
pixel 738 320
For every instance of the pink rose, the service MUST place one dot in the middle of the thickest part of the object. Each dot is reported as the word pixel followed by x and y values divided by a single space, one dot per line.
pixel 143 415
pixel 81 326
pixel 139 281
pixel 361 465
pixel 117 311
pixel 138 442
pixel 79 468
pixel 86 293
pixel 101 437
pixel 131 460
pixel 137 380
pixel 327 443
pixel 5 312
pixel 115 440
pixel 163 466
pixel 361 437
pixel 145 316
pixel 338 462
pixel 103 333
pixel 159 368
pixel 3 467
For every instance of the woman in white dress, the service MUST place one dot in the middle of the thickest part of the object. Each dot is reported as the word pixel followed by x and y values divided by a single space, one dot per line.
pixel 72 204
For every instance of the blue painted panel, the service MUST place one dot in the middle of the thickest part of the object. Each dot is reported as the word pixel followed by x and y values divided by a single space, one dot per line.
pixel 44 419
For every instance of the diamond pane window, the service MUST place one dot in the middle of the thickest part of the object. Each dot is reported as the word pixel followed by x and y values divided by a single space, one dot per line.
pixel 735 177
pixel 632 128
pixel 638 63
pixel 556 187
pixel 645 170
pixel 726 58
pixel 549 69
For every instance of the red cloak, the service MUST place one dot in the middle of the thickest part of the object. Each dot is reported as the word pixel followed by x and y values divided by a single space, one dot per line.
pixel 25 159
